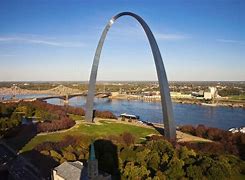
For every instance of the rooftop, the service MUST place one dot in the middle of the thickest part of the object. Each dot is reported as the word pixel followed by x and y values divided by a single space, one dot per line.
pixel 70 170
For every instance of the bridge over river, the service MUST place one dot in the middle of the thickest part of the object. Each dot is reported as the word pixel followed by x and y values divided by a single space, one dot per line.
pixel 69 96
pixel 18 94
pixel 65 98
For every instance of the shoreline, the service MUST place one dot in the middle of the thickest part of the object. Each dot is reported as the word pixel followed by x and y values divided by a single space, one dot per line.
pixel 220 103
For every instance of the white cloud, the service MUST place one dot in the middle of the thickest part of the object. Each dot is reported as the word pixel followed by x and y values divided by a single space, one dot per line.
pixel 163 36
pixel 231 41
pixel 41 41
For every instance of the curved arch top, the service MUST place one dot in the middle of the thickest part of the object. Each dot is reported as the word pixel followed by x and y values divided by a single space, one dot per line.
pixel 167 109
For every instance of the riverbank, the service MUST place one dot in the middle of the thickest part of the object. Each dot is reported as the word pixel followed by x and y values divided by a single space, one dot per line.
pixel 63 90
pixel 219 102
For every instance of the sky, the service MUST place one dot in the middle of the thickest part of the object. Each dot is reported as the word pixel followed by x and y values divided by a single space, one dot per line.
pixel 43 40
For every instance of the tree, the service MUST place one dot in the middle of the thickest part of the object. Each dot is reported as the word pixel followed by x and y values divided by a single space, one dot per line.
pixel 128 138
pixel 201 131
pixel 185 153
pixel 194 172
pixel 161 146
pixel 127 154
pixel 141 156
pixel 69 156
pixel 175 168
pixel 153 160
pixel 188 129
pixel 134 172
pixel 160 175
pixel 55 155
pixel 219 170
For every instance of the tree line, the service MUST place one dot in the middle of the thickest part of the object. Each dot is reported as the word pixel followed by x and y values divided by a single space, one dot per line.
pixel 50 117
pixel 224 141
pixel 154 158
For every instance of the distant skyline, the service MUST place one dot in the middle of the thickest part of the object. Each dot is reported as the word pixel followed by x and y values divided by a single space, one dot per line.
pixel 55 40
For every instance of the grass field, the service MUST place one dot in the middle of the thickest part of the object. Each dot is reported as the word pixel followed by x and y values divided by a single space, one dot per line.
pixel 105 128
pixel 240 97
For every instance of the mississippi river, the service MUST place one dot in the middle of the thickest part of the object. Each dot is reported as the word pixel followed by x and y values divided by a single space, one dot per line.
pixel 220 117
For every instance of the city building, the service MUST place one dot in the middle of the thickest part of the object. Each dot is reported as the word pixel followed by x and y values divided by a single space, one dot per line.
pixel 211 94
pixel 179 95
pixel 77 171
pixel 207 95
pixel 70 170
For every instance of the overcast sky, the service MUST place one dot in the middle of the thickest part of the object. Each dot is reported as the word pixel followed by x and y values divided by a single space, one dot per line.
pixel 56 40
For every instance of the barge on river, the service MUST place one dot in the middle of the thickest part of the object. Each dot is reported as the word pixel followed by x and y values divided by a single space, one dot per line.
pixel 129 116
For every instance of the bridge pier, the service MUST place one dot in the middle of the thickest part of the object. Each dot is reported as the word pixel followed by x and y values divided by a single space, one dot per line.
pixel 66 100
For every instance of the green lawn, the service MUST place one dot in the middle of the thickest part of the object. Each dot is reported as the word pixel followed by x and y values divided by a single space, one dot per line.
pixel 240 97
pixel 39 139
pixel 93 130
pixel 76 117
pixel 109 128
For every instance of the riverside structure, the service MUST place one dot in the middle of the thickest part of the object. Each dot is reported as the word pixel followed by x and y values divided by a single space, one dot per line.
pixel 167 109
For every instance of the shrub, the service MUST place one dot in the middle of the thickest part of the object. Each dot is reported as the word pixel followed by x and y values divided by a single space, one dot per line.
pixel 55 125
pixel 201 131
pixel 128 138
pixel 105 114
pixel 188 129
pixel 75 110
pixel 69 156
pixel 225 141
pixel 155 137
pixel 132 171
pixel 194 172
pixel 55 155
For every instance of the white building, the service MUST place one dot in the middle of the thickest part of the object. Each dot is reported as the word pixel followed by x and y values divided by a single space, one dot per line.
pixel 211 94
pixel 207 95
pixel 180 95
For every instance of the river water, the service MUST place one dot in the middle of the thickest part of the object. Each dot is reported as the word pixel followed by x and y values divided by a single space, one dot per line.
pixel 220 117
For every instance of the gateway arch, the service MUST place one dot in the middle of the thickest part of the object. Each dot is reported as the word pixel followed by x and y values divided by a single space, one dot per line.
pixel 167 109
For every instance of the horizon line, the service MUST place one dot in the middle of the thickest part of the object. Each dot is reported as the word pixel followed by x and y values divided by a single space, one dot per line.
pixel 6 81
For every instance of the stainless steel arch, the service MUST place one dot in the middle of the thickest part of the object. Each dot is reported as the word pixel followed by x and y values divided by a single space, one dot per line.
pixel 169 123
